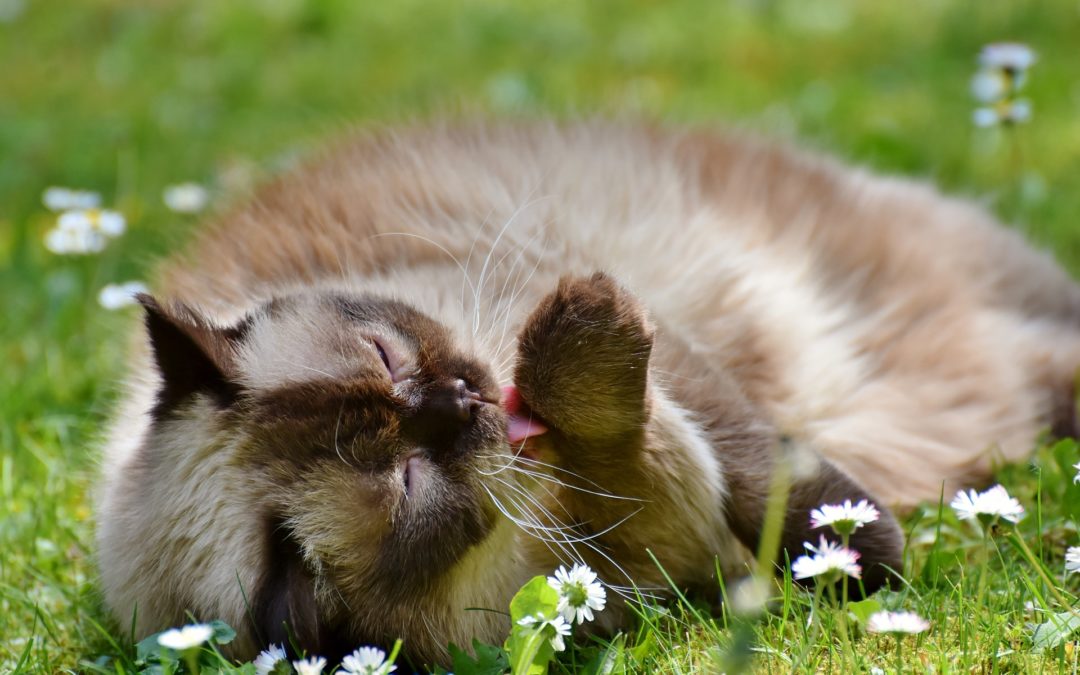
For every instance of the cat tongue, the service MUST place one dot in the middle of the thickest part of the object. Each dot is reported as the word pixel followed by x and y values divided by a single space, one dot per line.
pixel 520 425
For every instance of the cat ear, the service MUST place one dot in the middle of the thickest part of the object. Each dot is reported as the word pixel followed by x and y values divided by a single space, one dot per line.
pixel 191 354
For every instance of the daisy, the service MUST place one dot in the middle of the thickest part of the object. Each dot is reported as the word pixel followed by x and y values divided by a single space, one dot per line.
pixel 367 661
pixel 1009 56
pixel 65 199
pixel 896 623
pixel 1076 478
pixel 579 593
pixel 268 659
pixel 987 506
pixel 187 637
pixel 109 223
pixel 116 296
pixel 77 242
pixel 559 624
pixel 988 86
pixel 830 561
pixel 186 197
pixel 1072 559
pixel 844 518
pixel 310 666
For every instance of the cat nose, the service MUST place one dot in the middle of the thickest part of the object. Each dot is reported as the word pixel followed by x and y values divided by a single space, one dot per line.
pixel 454 400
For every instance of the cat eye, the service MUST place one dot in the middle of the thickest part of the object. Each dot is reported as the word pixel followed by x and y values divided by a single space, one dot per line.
pixel 382 355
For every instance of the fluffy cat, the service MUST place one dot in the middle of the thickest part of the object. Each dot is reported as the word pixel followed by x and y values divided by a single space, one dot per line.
pixel 441 360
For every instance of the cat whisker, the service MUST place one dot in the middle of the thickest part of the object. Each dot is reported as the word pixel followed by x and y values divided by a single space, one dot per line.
pixel 529 201
pixel 337 429
pixel 464 271
pixel 537 462
pixel 304 367
pixel 538 475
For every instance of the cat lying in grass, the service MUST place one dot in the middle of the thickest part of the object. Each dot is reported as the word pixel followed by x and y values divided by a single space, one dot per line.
pixel 410 376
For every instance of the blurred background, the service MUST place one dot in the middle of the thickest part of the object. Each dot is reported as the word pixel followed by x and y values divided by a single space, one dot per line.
pixel 129 98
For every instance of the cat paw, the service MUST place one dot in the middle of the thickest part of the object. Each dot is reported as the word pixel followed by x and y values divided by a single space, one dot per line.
pixel 583 360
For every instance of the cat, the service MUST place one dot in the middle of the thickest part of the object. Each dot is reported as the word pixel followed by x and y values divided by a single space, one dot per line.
pixel 442 359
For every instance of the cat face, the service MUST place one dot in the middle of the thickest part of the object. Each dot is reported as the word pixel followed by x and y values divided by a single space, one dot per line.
pixel 369 433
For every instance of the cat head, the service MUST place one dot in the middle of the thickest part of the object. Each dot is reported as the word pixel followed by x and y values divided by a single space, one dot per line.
pixel 364 433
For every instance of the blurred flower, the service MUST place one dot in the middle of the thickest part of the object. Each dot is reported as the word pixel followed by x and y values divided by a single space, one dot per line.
pixel 78 242
pixel 896 623
pixel 989 85
pixel 997 84
pixel 186 197
pixel 310 666
pixel 63 199
pixel 844 518
pixel 268 659
pixel 187 637
pixel 1007 56
pixel 84 231
pixel 987 506
pixel 367 661
pixel 830 561
pixel 1072 559
pixel 116 296
pixel 109 223
pixel 579 593
pixel 1076 478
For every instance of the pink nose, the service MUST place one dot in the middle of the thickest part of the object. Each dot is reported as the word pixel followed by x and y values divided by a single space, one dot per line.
pixel 520 424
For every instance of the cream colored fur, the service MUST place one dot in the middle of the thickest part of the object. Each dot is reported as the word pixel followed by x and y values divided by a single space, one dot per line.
pixel 904 335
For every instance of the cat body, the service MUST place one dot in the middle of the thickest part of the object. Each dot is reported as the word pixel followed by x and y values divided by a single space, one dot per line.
pixel 313 435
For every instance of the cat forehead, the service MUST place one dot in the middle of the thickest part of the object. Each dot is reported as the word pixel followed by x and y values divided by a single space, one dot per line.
pixel 306 338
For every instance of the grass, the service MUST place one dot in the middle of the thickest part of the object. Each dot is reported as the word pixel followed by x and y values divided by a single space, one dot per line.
pixel 126 97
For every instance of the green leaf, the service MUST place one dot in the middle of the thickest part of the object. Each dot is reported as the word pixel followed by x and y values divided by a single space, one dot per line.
pixel 1052 633
pixel 535 597
pixel 489 660
pixel 863 609
pixel 223 632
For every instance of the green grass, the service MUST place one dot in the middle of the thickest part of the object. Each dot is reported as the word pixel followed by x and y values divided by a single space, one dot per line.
pixel 125 97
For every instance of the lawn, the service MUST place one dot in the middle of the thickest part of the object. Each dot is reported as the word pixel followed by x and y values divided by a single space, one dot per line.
pixel 126 97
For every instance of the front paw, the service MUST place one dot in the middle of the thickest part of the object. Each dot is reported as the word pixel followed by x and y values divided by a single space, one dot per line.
pixel 583 360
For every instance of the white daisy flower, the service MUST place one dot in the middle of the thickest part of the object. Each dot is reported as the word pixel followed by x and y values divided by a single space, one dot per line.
pixel 989 86
pixel 985 117
pixel 1076 478
pixel 74 242
pixel 367 661
pixel 268 659
pixel 844 518
pixel 1072 559
pixel 310 666
pixel 108 223
pixel 1017 112
pixel 1011 56
pixel 987 506
pixel 66 199
pixel 117 296
pixel 559 624
pixel 562 630
pixel 896 623
pixel 186 197
pixel 579 593
pixel 830 561
pixel 187 637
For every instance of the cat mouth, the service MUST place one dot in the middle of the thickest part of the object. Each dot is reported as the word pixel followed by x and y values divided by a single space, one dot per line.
pixel 521 423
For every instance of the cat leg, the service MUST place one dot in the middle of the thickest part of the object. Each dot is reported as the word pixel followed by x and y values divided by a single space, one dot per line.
pixel 642 471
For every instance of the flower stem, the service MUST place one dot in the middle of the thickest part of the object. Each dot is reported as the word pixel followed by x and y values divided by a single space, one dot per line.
pixel 523 660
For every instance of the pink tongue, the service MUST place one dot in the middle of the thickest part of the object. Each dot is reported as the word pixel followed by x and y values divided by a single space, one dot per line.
pixel 520 425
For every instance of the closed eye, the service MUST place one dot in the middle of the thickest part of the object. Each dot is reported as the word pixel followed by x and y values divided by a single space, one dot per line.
pixel 385 359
